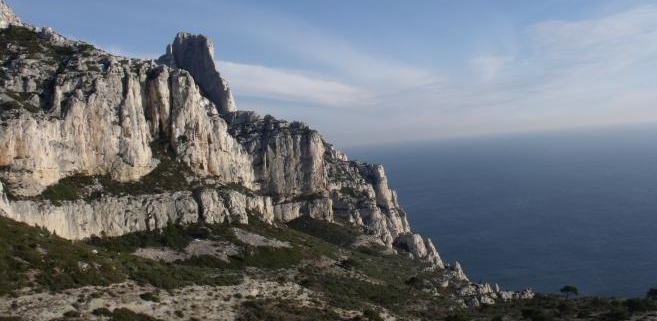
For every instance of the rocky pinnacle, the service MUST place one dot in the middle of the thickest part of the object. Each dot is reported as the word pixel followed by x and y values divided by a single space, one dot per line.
pixel 195 53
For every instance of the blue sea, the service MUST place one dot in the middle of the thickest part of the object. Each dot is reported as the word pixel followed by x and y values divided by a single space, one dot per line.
pixel 536 210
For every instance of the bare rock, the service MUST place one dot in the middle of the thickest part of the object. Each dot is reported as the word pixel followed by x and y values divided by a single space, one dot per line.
pixel 420 248
pixel 7 16
pixel 458 272
pixel 195 53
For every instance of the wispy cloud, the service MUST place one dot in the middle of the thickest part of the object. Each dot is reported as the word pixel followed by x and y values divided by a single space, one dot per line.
pixel 489 66
pixel 294 86
pixel 554 74
pixel 330 53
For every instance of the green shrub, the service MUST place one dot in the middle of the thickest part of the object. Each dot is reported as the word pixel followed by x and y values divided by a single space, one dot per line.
pixel 53 263
pixel 640 305
pixel 283 310
pixel 102 312
pixel 124 314
pixel 332 233
pixel 457 317
pixel 372 315
pixel 149 296
pixel 536 314
pixel 71 314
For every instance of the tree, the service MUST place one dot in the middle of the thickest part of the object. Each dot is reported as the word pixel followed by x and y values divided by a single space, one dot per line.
pixel 652 294
pixel 567 290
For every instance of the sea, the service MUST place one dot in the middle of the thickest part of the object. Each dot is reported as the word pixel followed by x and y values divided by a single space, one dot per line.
pixel 539 210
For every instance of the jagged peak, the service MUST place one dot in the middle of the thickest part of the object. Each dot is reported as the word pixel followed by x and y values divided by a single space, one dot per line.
pixel 7 16
pixel 195 53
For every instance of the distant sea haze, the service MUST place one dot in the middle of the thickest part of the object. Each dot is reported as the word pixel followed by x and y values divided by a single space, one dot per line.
pixel 536 210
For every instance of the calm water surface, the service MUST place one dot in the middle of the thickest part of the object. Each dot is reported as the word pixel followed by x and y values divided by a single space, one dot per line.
pixel 541 210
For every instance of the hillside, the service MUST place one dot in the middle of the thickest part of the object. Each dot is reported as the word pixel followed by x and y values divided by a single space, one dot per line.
pixel 136 190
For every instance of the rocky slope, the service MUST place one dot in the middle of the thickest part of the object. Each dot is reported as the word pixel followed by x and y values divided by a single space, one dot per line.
pixel 72 110
pixel 93 144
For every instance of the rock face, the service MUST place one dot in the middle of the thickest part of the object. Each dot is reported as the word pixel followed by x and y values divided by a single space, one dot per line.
pixel 475 295
pixel 118 215
pixel 195 53
pixel 422 248
pixel 69 110
pixel 7 16
pixel 99 116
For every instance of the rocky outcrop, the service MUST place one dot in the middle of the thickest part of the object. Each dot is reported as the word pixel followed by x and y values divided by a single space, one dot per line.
pixel 7 16
pixel 475 295
pixel 421 248
pixel 119 215
pixel 288 158
pixel 458 272
pixel 195 53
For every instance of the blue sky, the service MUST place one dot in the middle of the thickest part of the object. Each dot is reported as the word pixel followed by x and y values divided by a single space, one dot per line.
pixel 378 71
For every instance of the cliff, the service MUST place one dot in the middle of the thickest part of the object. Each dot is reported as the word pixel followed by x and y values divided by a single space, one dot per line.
pixel 93 144
pixel 70 110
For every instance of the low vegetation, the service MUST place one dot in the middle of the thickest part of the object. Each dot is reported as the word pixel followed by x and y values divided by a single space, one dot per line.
pixel 33 257
pixel 169 175
pixel 285 310
pixel 332 233
pixel 320 259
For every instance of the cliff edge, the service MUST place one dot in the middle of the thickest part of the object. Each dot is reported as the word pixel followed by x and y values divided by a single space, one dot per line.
pixel 95 144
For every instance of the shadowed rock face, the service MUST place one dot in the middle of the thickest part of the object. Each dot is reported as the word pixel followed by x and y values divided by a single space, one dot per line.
pixel 195 53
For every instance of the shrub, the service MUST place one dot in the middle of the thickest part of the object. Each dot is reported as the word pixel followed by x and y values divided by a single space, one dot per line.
pixel 102 312
pixel 149 296
pixel 652 294
pixel 287 310
pixel 456 317
pixel 332 233
pixel 372 315
pixel 639 305
pixel 124 314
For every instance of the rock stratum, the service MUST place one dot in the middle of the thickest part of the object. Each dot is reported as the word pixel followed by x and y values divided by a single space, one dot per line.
pixel 94 144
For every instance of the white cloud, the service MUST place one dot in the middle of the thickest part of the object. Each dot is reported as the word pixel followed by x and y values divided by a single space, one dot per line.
pixel 616 29
pixel 119 51
pixel 293 86
pixel 489 66
pixel 295 37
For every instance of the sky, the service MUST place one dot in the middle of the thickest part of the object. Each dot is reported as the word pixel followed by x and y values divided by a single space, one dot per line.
pixel 381 71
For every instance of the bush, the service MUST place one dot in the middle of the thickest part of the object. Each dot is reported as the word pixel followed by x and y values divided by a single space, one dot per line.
pixel 652 294
pixel 149 296
pixel 124 314
pixel 102 312
pixel 456 317
pixel 639 305
pixel 285 310
pixel 71 314
pixel 332 233
pixel 536 314
pixel 372 315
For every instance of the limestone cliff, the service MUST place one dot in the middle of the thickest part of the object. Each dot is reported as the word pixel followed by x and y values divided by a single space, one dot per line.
pixel 70 111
